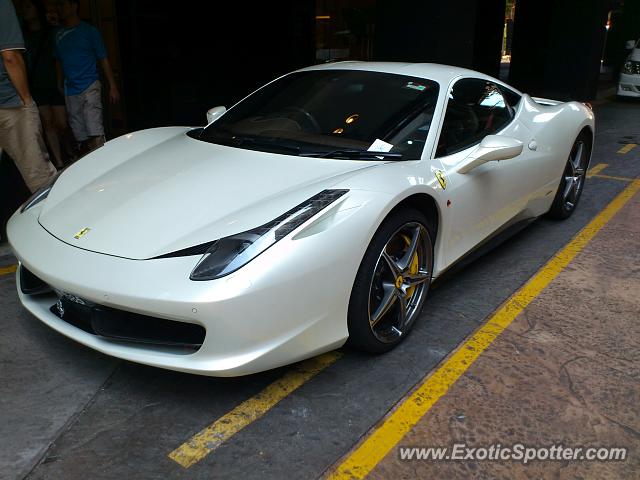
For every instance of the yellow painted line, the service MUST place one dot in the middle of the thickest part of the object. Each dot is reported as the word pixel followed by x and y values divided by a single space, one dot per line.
pixel 8 270
pixel 611 177
pixel 596 169
pixel 627 148
pixel 210 438
pixel 398 423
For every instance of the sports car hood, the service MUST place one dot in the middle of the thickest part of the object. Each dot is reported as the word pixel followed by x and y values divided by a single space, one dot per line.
pixel 157 191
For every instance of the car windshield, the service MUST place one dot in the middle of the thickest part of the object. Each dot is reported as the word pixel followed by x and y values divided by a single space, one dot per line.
pixel 332 113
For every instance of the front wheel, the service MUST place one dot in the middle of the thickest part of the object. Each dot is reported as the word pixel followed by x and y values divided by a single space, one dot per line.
pixel 392 282
pixel 573 178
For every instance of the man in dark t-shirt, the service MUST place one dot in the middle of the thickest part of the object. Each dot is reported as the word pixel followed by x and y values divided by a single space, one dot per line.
pixel 20 127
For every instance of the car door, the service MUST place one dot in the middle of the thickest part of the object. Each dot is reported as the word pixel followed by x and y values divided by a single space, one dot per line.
pixel 484 199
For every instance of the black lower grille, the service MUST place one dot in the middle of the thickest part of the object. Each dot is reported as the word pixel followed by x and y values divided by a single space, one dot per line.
pixel 116 324
pixel 128 327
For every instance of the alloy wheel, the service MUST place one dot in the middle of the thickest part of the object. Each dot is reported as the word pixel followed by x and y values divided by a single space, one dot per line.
pixel 400 282
pixel 574 175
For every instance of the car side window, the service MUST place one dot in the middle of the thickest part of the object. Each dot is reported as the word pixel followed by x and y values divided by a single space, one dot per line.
pixel 511 97
pixel 476 108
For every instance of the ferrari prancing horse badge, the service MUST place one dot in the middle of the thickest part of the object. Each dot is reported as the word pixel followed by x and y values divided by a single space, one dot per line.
pixel 442 180
pixel 81 233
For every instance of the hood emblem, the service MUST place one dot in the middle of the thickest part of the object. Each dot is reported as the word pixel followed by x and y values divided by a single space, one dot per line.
pixel 81 233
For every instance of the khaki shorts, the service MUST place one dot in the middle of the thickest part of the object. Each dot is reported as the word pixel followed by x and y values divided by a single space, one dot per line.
pixel 85 112
pixel 21 138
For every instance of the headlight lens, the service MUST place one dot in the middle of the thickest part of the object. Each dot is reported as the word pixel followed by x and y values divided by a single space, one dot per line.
pixel 41 194
pixel 228 254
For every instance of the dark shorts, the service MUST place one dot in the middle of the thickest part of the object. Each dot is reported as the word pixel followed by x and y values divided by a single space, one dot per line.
pixel 47 96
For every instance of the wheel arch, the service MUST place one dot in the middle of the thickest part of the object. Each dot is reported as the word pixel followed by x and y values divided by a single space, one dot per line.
pixel 588 131
pixel 427 205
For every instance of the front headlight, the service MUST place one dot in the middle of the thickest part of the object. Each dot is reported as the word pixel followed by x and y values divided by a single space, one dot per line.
pixel 228 254
pixel 40 194
pixel 629 68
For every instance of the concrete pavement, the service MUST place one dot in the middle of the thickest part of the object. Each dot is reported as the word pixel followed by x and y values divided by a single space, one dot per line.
pixel 565 372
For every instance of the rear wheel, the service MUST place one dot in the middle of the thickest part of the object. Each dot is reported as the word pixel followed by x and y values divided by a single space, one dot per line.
pixel 392 282
pixel 573 178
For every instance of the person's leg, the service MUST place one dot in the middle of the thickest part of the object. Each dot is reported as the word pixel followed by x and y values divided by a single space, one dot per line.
pixel 65 135
pixel 21 137
pixel 67 140
pixel 51 134
pixel 93 115
pixel 95 142
pixel 76 121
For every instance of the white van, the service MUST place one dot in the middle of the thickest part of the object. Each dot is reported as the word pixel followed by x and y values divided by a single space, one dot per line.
pixel 629 83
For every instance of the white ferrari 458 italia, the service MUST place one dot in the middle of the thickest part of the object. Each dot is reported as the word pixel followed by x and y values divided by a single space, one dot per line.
pixel 315 211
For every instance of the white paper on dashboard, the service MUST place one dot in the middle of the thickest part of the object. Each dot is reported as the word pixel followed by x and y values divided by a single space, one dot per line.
pixel 380 146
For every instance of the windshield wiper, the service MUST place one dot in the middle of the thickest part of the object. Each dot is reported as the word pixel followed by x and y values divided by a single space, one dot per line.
pixel 358 154
pixel 254 143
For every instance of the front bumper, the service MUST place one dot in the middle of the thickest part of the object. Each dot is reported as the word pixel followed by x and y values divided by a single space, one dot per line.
pixel 288 304
pixel 629 85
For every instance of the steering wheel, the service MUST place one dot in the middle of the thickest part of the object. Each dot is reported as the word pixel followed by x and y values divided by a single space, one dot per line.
pixel 306 118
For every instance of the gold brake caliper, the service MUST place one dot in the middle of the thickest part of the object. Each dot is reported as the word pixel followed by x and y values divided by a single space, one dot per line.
pixel 413 268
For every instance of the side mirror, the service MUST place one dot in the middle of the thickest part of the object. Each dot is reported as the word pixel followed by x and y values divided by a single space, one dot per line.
pixel 492 147
pixel 215 113
pixel 630 45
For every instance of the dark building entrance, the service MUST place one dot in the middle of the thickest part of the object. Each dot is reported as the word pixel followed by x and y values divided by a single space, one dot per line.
pixel 174 60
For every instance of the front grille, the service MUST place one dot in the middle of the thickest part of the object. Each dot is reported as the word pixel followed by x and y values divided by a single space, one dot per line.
pixel 116 324
pixel 127 326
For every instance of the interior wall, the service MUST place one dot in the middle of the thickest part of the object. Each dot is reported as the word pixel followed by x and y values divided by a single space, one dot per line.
pixel 557 47
pixel 489 33
pixel 465 33
pixel 428 31
pixel 179 59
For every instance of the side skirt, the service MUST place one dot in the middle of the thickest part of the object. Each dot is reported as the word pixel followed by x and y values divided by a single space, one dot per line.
pixel 492 241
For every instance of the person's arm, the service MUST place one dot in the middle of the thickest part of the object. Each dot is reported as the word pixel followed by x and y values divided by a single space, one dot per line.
pixel 17 71
pixel 101 55
pixel 11 46
pixel 114 95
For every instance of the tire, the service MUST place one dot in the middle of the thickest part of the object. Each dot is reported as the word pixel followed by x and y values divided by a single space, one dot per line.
pixel 391 280
pixel 573 179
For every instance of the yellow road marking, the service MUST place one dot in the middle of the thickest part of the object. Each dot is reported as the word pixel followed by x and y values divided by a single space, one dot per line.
pixel 8 270
pixel 210 438
pixel 611 177
pixel 596 169
pixel 397 424
pixel 627 148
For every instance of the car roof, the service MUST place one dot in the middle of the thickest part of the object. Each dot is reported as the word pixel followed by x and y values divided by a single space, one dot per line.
pixel 443 74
